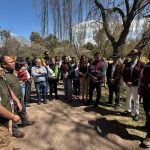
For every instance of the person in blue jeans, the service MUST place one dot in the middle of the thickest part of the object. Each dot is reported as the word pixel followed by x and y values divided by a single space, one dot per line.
pixel 39 72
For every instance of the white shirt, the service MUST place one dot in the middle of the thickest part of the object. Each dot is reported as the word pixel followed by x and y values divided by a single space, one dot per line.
pixel 133 65
pixel 113 70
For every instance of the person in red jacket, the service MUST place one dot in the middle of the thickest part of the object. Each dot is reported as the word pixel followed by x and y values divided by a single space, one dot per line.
pixel 131 75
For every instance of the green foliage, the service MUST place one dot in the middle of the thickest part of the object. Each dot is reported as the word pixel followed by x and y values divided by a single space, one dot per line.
pixel 4 34
pixel 36 38
pixel 89 46
pixel 51 42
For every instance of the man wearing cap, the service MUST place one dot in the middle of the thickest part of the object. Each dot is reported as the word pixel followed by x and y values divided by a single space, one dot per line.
pixel 114 75
pixel 144 91
pixel 131 75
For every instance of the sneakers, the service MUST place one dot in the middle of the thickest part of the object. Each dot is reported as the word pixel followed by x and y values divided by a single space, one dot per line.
pixel 28 123
pixel 136 118
pixel 18 134
pixel 126 113
pixel 146 142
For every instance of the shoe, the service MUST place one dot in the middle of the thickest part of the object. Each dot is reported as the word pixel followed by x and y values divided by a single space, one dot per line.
pixel 39 102
pixel 116 107
pixel 56 97
pixel 136 118
pixel 96 105
pixel 109 103
pixel 143 128
pixel 146 142
pixel 88 102
pixel 126 113
pixel 28 123
pixel 70 101
pixel 27 105
pixel 18 134
pixel 45 101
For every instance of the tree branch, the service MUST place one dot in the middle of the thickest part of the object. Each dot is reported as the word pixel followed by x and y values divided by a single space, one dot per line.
pixel 127 7
pixel 142 7
pixel 105 23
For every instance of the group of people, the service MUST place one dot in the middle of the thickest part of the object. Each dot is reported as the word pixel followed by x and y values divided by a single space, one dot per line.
pixel 80 79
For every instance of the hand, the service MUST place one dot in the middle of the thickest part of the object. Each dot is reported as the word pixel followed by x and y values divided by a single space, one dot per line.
pixel 83 75
pixel 129 84
pixel 112 81
pixel 94 79
pixel 19 106
pixel 15 118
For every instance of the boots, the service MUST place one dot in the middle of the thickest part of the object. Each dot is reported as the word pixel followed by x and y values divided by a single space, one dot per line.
pixel 18 134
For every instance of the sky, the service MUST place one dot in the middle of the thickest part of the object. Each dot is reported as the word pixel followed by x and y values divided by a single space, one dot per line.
pixel 19 17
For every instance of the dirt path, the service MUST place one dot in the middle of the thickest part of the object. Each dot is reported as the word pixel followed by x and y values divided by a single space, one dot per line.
pixel 63 126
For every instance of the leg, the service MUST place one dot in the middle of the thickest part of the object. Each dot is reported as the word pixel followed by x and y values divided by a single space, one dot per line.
pixel 86 87
pixel 111 88
pixel 69 82
pixel 65 87
pixel 5 138
pixel 43 88
pixel 55 87
pixel 91 89
pixel 117 94
pixel 98 90
pixel 146 104
pixel 128 99
pixel 136 100
pixel 83 87
pixel 38 92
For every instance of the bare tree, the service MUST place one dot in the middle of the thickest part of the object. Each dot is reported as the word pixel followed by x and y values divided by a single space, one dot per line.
pixel 105 11
pixel 126 11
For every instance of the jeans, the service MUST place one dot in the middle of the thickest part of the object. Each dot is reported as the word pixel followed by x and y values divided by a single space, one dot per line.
pixel 22 114
pixel 146 105
pixel 68 88
pixel 114 88
pixel 76 87
pixel 53 86
pixel 27 91
pixel 40 88
pixel 92 86
pixel 22 85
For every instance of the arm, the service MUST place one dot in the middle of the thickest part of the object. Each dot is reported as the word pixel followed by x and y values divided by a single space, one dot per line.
pixel 102 73
pixel 7 114
pixel 118 78
pixel 33 72
pixel 14 97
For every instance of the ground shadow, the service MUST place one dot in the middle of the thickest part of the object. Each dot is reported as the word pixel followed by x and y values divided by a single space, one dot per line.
pixel 103 127
pixel 101 110
pixel 72 103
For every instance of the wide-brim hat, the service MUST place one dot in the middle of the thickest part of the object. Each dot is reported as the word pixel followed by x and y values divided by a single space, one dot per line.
pixel 115 55
pixel 20 61
pixel 133 52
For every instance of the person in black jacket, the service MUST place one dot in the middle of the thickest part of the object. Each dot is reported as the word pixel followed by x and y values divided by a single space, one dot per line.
pixel 114 74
